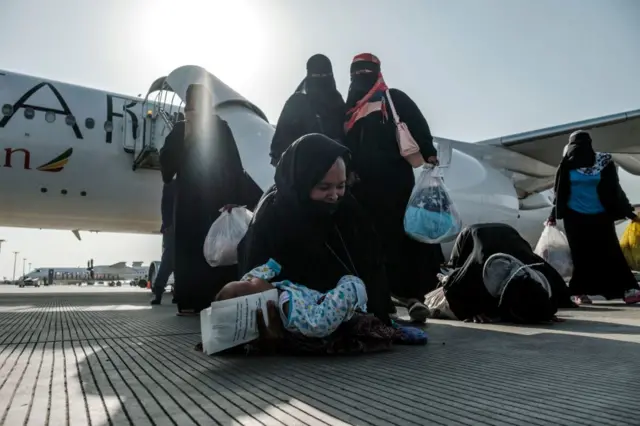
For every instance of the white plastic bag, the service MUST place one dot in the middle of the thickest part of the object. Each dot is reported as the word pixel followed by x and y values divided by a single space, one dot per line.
pixel 553 247
pixel 438 305
pixel 221 244
pixel 431 217
pixel 232 322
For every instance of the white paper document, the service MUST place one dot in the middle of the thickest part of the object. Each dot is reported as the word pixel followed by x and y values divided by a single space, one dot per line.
pixel 232 322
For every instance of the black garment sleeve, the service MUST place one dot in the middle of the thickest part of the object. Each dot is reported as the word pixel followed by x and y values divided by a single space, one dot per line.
pixel 171 152
pixel 258 244
pixel 554 209
pixel 620 204
pixel 411 115
pixel 291 125
pixel 561 192
pixel 368 256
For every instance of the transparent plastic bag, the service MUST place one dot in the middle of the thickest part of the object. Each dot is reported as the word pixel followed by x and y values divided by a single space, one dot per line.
pixel 630 244
pixel 221 244
pixel 431 216
pixel 553 247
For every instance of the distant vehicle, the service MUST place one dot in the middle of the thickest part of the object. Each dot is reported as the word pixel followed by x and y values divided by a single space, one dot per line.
pixel 112 275
pixel 29 282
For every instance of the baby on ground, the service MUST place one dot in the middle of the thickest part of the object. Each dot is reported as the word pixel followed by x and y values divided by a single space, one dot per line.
pixel 303 310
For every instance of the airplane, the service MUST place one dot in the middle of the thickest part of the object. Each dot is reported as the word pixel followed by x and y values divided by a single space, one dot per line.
pixel 116 273
pixel 78 158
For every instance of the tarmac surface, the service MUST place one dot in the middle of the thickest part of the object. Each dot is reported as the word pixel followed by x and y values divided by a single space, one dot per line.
pixel 103 356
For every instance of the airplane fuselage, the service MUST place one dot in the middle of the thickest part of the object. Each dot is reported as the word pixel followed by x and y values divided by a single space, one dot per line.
pixel 63 163
pixel 92 186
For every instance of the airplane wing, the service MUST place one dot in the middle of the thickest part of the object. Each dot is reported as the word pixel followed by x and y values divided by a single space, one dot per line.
pixel 531 158
pixel 118 265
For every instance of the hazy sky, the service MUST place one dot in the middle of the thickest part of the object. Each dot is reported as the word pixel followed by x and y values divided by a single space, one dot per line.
pixel 477 68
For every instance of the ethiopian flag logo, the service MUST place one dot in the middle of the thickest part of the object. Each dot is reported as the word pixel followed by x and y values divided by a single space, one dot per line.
pixel 58 163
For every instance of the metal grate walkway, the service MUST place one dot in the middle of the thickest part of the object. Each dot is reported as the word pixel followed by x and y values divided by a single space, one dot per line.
pixel 102 356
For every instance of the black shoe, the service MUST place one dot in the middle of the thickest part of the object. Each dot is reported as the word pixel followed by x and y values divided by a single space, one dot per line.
pixel 174 301
pixel 156 301
pixel 418 312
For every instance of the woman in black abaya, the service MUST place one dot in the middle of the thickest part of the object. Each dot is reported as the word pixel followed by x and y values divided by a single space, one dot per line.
pixel 313 228
pixel 589 199
pixel 202 154
pixel 468 296
pixel 385 179
pixel 315 107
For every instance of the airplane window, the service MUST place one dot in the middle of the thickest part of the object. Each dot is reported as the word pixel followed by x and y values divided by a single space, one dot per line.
pixel 108 126
pixel 50 116
pixel 7 109
pixel 29 113
pixel 70 120
pixel 89 123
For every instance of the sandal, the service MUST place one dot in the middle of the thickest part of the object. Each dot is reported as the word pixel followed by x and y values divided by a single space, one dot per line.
pixel 187 313
pixel 632 296
pixel 418 312
pixel 582 300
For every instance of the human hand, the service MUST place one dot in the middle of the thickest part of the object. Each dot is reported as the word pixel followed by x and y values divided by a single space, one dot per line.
pixel 352 179
pixel 268 336
pixel 480 319
pixel 433 160
pixel 228 207
pixel 550 222
pixel 636 219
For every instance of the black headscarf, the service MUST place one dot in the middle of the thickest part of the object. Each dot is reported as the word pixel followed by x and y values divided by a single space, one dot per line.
pixel 292 229
pixel 365 69
pixel 301 167
pixel 320 85
pixel 579 152
pixel 524 300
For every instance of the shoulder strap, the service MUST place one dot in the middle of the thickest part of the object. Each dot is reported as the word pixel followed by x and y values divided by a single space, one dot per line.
pixel 396 118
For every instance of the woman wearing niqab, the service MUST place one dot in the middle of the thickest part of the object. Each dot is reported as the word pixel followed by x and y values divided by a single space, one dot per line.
pixel 589 198
pixel 315 107
pixel 201 152
pixel 385 179
pixel 316 242
pixel 466 293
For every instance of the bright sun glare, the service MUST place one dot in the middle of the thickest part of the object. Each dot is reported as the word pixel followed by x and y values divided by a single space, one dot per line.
pixel 226 37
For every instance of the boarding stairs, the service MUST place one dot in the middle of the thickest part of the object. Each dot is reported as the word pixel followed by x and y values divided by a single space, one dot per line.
pixel 159 112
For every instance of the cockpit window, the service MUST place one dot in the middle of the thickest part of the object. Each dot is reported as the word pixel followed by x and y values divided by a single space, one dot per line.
pixel 50 116
pixel 89 123
pixel 70 120
pixel 7 109
pixel 108 126
pixel 29 113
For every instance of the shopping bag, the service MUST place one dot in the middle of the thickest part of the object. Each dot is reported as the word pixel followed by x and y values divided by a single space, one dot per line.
pixel 232 322
pixel 553 247
pixel 221 244
pixel 431 216
pixel 630 244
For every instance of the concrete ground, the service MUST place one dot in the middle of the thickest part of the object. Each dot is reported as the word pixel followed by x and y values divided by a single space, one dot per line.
pixel 103 356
